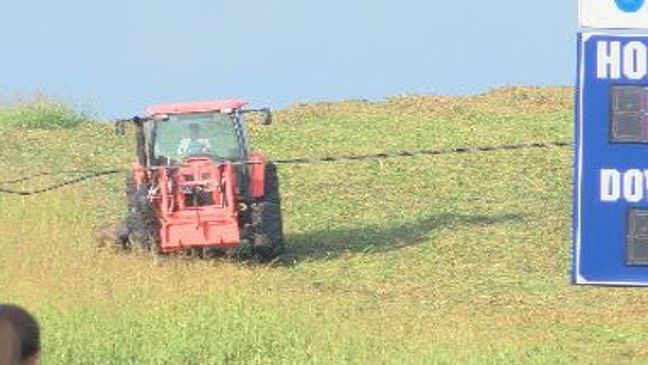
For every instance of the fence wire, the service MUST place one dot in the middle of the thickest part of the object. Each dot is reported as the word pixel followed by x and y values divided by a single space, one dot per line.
pixel 93 174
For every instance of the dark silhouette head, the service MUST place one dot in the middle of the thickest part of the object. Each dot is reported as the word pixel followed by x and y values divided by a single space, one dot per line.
pixel 9 344
pixel 26 330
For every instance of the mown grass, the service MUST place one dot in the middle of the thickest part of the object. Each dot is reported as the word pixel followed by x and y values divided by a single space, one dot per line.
pixel 427 260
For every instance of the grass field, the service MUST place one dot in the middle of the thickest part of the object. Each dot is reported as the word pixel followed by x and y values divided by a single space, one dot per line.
pixel 428 260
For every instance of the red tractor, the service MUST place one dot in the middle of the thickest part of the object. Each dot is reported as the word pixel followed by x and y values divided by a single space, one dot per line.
pixel 196 187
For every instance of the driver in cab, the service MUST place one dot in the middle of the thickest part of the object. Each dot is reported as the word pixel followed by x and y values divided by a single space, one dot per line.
pixel 194 144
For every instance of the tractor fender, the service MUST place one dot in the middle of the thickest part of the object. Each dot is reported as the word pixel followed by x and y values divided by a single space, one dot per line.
pixel 257 174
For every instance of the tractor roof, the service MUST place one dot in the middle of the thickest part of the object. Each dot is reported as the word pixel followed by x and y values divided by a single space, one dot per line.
pixel 196 107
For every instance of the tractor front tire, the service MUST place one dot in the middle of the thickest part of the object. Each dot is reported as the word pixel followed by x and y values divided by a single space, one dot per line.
pixel 267 237
pixel 142 222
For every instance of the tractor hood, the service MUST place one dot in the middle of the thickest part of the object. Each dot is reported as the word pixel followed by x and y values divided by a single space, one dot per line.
pixel 195 107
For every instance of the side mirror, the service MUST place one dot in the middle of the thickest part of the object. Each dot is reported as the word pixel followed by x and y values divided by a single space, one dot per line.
pixel 120 127
pixel 266 117
pixel 120 124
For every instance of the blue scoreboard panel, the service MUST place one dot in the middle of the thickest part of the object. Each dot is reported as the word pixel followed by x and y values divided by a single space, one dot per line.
pixel 611 167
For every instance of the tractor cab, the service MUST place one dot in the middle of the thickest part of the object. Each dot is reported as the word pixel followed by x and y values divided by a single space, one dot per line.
pixel 215 135
pixel 173 133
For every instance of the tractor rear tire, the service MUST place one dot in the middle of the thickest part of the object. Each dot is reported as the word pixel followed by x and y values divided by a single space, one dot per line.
pixel 142 222
pixel 267 236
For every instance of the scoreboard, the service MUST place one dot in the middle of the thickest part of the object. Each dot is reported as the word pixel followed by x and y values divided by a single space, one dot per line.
pixel 610 228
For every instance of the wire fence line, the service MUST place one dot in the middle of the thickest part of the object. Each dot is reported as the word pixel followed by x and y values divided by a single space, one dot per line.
pixel 92 174
pixel 425 152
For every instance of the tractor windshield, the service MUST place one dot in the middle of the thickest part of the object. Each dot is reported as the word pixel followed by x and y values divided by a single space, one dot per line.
pixel 210 134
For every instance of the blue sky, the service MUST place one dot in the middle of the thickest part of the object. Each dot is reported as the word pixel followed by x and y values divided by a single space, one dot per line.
pixel 116 57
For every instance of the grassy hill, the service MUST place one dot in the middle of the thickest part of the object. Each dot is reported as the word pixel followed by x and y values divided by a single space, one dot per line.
pixel 426 260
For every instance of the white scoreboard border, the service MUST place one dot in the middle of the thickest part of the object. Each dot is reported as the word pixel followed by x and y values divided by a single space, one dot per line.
pixel 636 21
